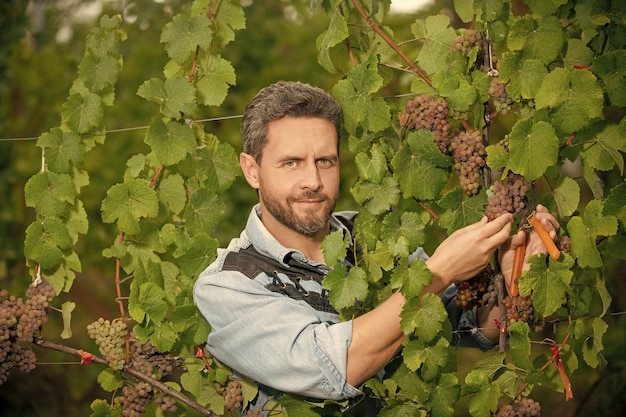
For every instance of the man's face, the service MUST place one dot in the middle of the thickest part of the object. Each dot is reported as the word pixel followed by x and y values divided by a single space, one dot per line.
pixel 298 177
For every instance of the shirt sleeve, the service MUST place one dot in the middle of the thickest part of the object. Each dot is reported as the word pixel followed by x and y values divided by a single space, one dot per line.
pixel 278 341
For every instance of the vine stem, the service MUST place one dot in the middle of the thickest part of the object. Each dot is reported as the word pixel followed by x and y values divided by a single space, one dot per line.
pixel 391 43
pixel 348 44
pixel 166 389
pixel 498 283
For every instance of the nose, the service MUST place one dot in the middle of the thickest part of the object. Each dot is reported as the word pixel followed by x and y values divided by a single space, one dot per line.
pixel 311 177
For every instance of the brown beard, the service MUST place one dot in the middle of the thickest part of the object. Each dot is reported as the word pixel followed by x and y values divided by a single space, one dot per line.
pixel 309 225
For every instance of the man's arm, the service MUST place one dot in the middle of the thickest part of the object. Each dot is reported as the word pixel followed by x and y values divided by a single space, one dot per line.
pixel 377 336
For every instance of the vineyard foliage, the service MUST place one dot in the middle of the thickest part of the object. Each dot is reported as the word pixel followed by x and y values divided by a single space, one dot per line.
pixel 557 122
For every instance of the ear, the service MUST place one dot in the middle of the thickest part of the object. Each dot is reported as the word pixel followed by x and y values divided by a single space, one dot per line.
pixel 250 169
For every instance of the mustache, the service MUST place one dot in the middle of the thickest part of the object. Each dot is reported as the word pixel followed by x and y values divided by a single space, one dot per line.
pixel 311 195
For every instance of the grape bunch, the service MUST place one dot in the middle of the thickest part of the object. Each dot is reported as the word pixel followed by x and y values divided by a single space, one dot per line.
pixel 468 152
pixel 430 113
pixel 147 359
pixel 519 308
pixel 469 39
pixel 499 97
pixel 110 336
pixel 508 195
pixel 134 399
pixel 33 313
pixel 166 403
pixel 527 407
pixel 477 291
pixel 233 396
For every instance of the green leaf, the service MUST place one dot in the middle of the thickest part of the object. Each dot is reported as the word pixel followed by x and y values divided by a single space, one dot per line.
pixel 345 289
pixel 603 151
pixel 534 147
pixel 229 17
pixel 487 394
pixel 176 96
pixel 615 203
pixel 574 96
pixel 360 108
pixel 83 112
pixel 215 80
pixel 66 311
pixel 62 150
pixel 128 202
pixel 566 193
pixel 584 231
pixel 109 380
pixel 578 54
pixel 372 168
pixel 411 279
pixel 105 39
pixel 461 211
pixel 49 193
pixel 497 156
pixel 336 33
pixel 436 35
pixel 549 284
pixel 419 167
pixel 544 7
pixel 45 242
pixel 204 212
pixel 225 167
pixel 199 254
pixel 376 198
pixel 446 395
pixel 610 68
pixel 424 317
pixel 524 76
pixel 171 192
pixel 99 72
pixel 184 33
pixel 431 358
pixel 409 225
pixel 536 38
pixel 457 90
pixel 519 343
pixel 151 300
pixel 593 344
pixel 171 142
pixel 334 247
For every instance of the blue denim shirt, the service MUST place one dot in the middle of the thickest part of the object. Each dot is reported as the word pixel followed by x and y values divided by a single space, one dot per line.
pixel 281 342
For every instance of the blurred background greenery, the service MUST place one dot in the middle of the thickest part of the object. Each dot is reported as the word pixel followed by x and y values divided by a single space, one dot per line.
pixel 41 44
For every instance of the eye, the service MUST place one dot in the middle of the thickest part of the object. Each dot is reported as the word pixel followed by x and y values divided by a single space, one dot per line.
pixel 290 164
pixel 325 163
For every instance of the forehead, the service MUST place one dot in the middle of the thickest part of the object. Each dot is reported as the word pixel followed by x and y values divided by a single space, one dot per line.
pixel 301 131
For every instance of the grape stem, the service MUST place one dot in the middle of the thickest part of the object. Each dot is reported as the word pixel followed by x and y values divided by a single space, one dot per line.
pixel 133 372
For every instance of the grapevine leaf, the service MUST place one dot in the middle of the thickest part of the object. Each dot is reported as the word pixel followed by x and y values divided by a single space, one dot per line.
pixel 566 193
pixel 615 203
pixel 497 157
pixel 534 147
pixel 578 54
pixel 104 40
pixel 190 324
pixel 49 193
pixel 176 96
pixel 457 90
pixel 519 343
pixel 424 317
pixel 360 108
pixel 409 225
pixel 437 35
pixel 593 345
pixel 336 33
pixel 83 112
pixel 229 17
pixel 461 212
pixel 63 150
pixel 345 289
pixel 382 257
pixel 109 380
pixel 200 252
pixel 213 85
pixel 376 198
pixel 184 33
pixel 524 76
pixel 45 242
pixel 334 247
pixel 544 7
pixel 574 97
pixel 171 192
pixel 445 396
pixel 610 68
pixel 211 398
pixel 598 223
pixel 296 407
pixel 151 300
pixel 99 72
pixel 486 399
pixel 407 409
pixel 537 38
pixel 603 151
pixel 225 164
pixel 204 211
pixel 372 168
pixel 583 244
pixel 549 284
pixel 171 142
pixel 66 311
pixel 432 358
pixel 128 202
pixel 420 168
pixel 164 337
pixel 411 279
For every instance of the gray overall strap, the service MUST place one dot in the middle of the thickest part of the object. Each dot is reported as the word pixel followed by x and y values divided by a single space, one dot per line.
pixel 251 263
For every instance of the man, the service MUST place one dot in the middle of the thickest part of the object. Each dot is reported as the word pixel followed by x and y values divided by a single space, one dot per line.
pixel 270 318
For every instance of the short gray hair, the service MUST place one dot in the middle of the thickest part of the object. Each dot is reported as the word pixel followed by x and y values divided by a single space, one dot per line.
pixel 285 99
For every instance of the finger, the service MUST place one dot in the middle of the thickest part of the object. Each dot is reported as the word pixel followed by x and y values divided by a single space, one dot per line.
pixel 483 221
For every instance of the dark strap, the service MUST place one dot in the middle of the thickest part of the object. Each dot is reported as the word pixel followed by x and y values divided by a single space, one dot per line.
pixel 251 263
